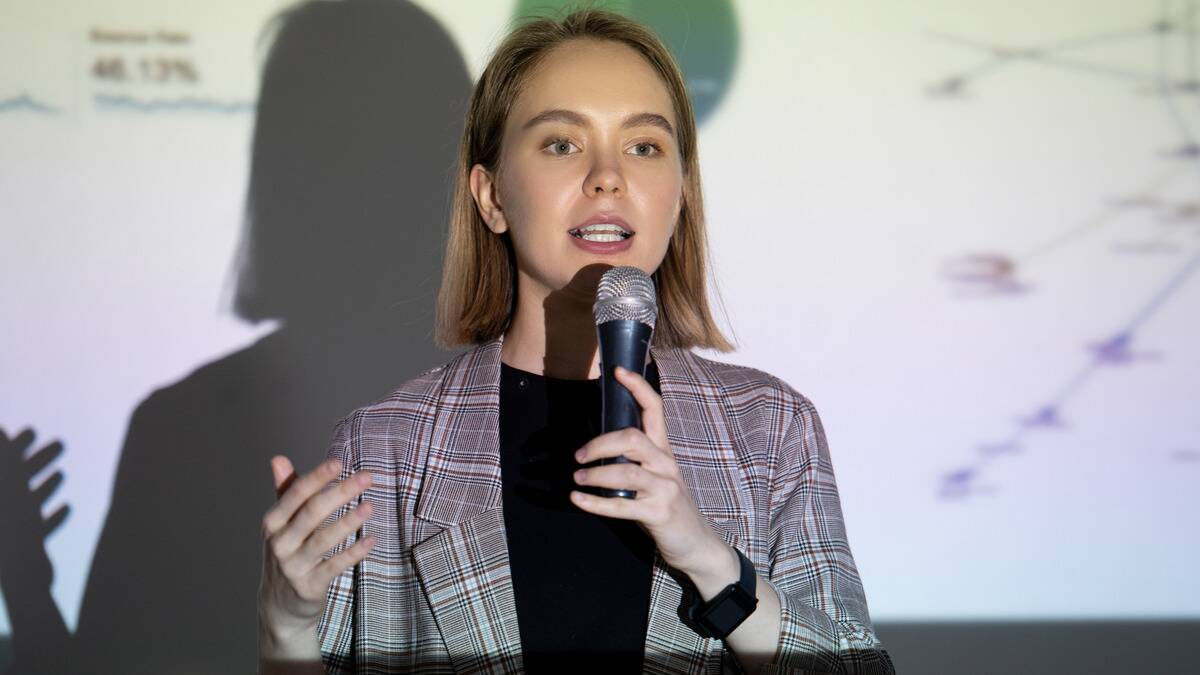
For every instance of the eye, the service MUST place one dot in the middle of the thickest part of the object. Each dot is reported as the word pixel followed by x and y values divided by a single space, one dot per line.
pixel 559 146
pixel 646 149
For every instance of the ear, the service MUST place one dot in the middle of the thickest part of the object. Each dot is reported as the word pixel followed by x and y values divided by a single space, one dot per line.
pixel 487 199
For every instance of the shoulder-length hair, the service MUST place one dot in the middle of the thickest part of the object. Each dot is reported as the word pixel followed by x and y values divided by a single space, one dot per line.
pixel 478 295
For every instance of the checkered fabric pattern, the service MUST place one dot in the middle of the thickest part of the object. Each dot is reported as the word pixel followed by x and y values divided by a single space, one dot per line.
pixel 435 595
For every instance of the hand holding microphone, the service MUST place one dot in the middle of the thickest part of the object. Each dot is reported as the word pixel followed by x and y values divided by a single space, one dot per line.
pixel 634 455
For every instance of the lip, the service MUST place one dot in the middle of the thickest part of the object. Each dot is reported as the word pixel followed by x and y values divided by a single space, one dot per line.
pixel 606 247
pixel 603 247
pixel 604 218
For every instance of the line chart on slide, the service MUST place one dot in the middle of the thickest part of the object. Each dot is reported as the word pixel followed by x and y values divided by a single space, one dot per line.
pixel 21 102
pixel 1162 210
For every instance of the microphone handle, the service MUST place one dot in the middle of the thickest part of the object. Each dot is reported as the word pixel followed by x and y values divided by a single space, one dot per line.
pixel 623 342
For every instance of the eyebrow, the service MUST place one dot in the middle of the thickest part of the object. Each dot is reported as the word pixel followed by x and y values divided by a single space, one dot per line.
pixel 645 119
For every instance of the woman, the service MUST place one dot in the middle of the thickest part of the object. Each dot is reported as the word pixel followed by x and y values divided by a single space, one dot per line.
pixel 449 525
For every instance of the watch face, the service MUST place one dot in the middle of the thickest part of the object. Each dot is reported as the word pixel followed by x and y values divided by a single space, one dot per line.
pixel 728 610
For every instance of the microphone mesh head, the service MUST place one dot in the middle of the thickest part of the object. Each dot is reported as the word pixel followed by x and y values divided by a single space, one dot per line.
pixel 626 293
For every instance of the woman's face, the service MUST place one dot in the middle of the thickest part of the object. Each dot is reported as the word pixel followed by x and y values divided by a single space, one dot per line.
pixel 589 142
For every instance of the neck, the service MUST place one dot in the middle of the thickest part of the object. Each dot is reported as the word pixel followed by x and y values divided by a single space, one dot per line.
pixel 554 336
pixel 553 332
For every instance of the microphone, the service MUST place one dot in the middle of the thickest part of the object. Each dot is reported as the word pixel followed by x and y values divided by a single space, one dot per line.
pixel 625 311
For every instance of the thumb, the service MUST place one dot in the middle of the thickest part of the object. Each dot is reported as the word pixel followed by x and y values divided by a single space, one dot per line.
pixel 283 472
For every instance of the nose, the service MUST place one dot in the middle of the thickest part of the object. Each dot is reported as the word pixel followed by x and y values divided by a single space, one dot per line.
pixel 605 177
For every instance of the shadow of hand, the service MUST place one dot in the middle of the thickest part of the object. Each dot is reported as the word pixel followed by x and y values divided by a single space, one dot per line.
pixel 25 569
pixel 22 527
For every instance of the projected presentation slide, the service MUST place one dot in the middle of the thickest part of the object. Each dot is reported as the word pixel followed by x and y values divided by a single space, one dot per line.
pixel 968 232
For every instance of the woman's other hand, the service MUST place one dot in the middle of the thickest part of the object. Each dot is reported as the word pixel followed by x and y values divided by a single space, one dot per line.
pixel 296 574
pixel 663 506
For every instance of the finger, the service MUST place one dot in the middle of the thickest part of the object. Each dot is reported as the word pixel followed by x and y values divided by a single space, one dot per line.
pixel 617 476
pixel 630 443
pixel 650 402
pixel 316 511
pixel 22 441
pixel 283 472
pixel 55 520
pixel 296 492
pixel 610 507
pixel 339 563
pixel 42 459
pixel 326 538
pixel 47 488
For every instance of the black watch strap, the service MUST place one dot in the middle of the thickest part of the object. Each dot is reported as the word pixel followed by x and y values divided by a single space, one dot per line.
pixel 727 610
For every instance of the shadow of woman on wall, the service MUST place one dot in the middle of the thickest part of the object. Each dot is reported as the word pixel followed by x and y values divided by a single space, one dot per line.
pixel 358 121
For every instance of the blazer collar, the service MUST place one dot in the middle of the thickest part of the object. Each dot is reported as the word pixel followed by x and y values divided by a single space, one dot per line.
pixel 462 474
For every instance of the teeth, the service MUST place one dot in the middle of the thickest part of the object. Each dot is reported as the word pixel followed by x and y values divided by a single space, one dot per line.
pixel 602 227
pixel 602 237
pixel 602 232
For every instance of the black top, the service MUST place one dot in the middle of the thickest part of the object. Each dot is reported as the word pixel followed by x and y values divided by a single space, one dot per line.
pixel 582 582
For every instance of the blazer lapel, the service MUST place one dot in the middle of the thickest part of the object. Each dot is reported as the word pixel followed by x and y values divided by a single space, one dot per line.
pixel 464 570
pixel 465 574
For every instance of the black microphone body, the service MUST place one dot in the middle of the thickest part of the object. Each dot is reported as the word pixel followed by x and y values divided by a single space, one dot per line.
pixel 624 343
pixel 626 310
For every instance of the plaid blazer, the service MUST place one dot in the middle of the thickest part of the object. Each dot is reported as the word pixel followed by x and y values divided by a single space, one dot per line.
pixel 435 594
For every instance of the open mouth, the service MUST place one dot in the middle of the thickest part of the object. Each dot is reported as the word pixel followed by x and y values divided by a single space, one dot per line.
pixel 602 233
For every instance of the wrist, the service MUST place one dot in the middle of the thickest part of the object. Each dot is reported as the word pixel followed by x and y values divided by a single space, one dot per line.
pixel 715 567
pixel 287 640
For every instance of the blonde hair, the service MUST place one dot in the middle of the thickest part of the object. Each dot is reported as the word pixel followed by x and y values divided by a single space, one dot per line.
pixel 477 296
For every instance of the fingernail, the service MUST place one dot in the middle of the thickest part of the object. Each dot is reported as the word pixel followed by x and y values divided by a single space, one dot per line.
pixel 333 465
pixel 364 479
pixel 579 455
pixel 580 475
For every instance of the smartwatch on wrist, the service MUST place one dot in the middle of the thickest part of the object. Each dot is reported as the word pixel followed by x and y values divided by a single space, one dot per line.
pixel 727 610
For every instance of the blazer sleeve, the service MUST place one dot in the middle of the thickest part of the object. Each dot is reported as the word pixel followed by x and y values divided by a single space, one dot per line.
pixel 335 630
pixel 824 623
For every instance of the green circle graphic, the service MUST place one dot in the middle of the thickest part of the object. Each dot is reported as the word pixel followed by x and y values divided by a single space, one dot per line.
pixel 702 34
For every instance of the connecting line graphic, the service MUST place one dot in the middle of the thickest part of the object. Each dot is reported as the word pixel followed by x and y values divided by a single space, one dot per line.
pixel 1052 56
pixel 993 274
pixel 1116 350
pixel 1191 84
pixel 1047 55
pixel 1159 81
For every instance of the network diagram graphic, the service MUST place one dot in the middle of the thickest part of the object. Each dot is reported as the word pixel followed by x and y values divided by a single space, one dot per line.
pixel 1169 71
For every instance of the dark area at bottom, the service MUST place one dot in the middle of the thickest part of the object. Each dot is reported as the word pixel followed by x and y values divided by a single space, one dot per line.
pixel 1042 648
pixel 1027 648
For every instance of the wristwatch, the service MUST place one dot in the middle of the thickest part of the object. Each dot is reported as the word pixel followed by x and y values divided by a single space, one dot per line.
pixel 727 610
